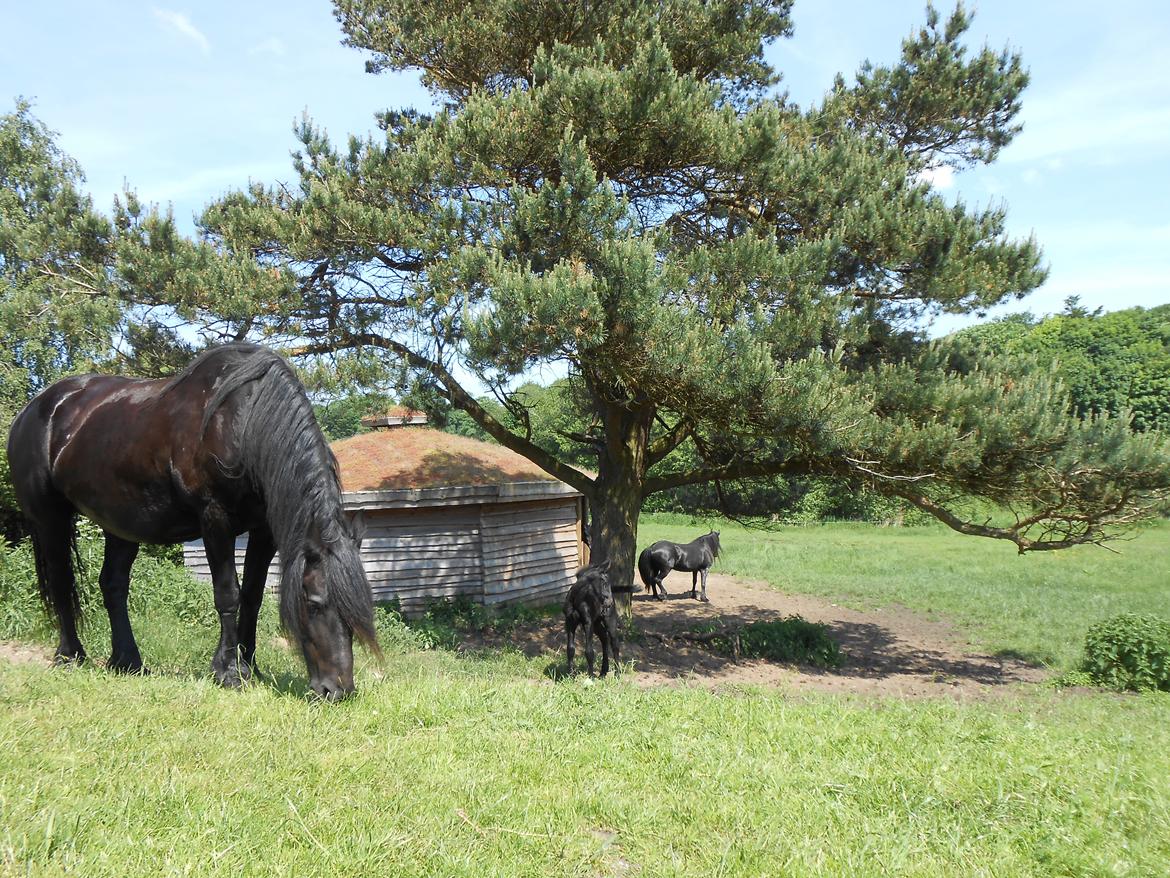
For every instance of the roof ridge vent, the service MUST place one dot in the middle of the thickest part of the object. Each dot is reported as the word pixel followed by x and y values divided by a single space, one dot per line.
pixel 396 416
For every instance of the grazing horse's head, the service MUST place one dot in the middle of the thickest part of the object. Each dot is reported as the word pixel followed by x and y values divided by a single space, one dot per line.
pixel 329 603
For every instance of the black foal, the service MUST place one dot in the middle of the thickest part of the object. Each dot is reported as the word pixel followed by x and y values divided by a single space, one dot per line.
pixel 590 606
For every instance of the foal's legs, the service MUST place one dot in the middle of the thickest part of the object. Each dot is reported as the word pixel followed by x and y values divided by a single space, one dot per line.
pixel 257 560
pixel 220 544
pixel 570 630
pixel 115 583
pixel 587 633
pixel 606 639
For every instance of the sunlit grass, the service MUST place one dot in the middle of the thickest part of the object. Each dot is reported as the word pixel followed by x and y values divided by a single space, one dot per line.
pixel 448 764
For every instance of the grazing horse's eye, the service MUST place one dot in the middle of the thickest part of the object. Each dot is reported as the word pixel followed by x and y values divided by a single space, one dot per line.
pixel 315 606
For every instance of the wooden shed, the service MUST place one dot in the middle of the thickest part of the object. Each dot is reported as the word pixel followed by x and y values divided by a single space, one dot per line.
pixel 448 516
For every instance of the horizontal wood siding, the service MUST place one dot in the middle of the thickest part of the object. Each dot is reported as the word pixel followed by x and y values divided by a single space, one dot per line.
pixel 195 560
pixel 416 556
pixel 530 551
pixel 523 551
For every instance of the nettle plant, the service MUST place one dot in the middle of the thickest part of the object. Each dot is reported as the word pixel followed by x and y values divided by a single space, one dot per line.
pixel 1129 651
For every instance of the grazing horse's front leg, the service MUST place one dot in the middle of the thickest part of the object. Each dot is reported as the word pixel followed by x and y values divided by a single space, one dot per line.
pixel 220 544
pixel 115 583
pixel 257 560
pixel 704 595
pixel 695 581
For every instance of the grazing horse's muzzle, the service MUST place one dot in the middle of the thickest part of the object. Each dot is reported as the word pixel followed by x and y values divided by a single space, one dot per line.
pixel 332 690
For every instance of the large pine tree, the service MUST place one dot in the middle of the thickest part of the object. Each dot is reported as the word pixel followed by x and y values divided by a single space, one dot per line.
pixel 614 188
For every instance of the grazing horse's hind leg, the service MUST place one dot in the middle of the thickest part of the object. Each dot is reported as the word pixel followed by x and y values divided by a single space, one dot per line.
pixel 261 549
pixel 53 543
pixel 115 583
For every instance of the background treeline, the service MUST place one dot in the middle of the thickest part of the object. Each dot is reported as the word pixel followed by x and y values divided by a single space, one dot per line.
pixel 1113 363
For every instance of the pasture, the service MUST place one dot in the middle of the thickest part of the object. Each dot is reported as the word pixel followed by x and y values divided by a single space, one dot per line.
pixel 455 762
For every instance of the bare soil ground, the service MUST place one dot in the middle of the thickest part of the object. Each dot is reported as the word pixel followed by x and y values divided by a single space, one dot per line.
pixel 891 651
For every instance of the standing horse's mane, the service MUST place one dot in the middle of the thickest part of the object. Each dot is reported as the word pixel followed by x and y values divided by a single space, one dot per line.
pixel 280 448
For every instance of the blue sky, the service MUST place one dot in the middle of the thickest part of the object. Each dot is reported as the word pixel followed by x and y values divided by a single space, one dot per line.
pixel 186 101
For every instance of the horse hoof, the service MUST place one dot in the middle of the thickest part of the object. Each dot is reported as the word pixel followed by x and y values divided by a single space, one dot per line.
pixel 64 660
pixel 705 599
pixel 228 677
pixel 122 666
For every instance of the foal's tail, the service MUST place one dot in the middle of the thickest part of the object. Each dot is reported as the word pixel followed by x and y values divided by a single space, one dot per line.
pixel 646 568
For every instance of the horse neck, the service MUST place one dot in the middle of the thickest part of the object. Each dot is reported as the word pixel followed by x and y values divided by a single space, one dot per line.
pixel 296 475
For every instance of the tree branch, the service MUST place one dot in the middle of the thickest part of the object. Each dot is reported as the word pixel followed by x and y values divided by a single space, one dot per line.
pixel 463 400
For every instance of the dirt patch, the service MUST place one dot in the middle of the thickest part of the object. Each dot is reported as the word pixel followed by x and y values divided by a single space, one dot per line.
pixel 891 651
pixel 23 654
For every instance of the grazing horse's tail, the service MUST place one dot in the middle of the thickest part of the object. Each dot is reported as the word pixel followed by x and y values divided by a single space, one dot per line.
pixel 646 568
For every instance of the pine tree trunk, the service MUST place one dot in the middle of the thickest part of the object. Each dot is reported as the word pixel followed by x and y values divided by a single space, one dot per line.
pixel 617 501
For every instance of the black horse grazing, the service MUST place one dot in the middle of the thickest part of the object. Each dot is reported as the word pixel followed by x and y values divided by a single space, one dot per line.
pixel 228 445
pixel 696 557
pixel 589 605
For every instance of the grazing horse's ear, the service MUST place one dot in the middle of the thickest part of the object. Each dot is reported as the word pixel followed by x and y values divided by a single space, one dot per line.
pixel 357 526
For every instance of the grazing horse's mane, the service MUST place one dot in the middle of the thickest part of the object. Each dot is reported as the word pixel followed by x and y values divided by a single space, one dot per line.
pixel 281 450
pixel 712 541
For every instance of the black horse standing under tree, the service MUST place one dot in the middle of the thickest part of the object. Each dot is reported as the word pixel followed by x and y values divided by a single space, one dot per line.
pixel 695 557
pixel 228 445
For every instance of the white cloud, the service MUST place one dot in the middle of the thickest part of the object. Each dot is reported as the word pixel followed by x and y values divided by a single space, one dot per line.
pixel 180 23
pixel 270 46
pixel 940 176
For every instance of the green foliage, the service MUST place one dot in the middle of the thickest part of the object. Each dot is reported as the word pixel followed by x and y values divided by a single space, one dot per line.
pixel 790 639
pixel 342 417
pixel 1130 651
pixel 1115 363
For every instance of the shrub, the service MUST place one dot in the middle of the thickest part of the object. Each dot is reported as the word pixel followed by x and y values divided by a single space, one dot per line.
pixel 1129 651
pixel 791 639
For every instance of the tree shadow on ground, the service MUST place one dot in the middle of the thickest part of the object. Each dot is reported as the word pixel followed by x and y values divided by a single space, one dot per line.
pixel 889 646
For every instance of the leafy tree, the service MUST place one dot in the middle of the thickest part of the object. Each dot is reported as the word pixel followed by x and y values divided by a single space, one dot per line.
pixel 1115 364
pixel 612 189
pixel 342 417
pixel 55 311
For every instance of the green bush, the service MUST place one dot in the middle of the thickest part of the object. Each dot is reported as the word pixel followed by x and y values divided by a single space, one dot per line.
pixel 1129 651
pixel 791 639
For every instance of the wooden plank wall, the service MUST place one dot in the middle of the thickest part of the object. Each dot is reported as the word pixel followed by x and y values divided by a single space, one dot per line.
pixel 195 560
pixel 530 551
pixel 493 554
pixel 419 555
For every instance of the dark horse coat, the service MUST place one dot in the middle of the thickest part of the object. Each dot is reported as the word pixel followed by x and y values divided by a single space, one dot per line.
pixel 589 605
pixel 228 445
pixel 695 557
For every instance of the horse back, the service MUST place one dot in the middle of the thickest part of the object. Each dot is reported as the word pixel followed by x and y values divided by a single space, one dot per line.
pixel 126 452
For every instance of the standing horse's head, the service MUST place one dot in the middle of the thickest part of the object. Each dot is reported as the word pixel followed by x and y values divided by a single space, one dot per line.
pixel 329 602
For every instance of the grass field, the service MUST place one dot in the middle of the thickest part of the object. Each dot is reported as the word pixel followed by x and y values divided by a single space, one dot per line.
pixel 478 765
pixel 1037 606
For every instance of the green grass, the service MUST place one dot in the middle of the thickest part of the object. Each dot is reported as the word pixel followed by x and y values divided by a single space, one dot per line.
pixel 479 765
pixel 1038 606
